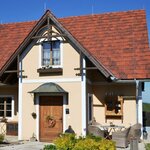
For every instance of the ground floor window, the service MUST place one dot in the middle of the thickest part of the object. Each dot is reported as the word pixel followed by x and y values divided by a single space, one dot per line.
pixel 6 103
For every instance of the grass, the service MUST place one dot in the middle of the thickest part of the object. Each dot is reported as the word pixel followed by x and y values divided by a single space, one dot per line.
pixel 147 146
pixel 146 107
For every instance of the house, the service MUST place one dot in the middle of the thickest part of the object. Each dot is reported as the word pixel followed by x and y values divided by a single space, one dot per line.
pixel 60 72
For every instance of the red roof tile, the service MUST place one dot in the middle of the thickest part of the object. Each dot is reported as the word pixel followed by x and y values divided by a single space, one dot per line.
pixel 11 36
pixel 118 40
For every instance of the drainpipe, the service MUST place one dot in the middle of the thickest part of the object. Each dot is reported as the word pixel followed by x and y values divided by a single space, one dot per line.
pixel 137 99
pixel 139 105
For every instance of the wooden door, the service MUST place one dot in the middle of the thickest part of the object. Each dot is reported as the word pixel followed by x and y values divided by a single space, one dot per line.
pixel 50 106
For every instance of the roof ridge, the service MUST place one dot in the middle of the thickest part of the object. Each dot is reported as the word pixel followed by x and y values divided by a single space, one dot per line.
pixel 104 13
pixel 67 17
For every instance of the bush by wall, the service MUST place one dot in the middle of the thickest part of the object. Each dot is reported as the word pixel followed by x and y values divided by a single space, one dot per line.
pixel 70 142
pixel 1 138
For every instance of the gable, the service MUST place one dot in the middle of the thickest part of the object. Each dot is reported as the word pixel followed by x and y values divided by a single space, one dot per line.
pixel 116 42
pixel 33 56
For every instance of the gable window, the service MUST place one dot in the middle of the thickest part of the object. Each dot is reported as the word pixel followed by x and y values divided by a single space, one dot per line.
pixel 51 53
pixel 6 106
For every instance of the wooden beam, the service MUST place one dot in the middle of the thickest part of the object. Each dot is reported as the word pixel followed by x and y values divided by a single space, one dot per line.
pixel 8 78
pixel 13 71
pixel 87 68
pixel 81 63
pixel 39 37
pixel 18 57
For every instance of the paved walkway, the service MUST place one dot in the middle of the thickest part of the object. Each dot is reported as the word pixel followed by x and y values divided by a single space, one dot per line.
pixel 25 146
pixel 21 145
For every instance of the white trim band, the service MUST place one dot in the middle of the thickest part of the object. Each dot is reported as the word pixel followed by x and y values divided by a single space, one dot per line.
pixel 56 80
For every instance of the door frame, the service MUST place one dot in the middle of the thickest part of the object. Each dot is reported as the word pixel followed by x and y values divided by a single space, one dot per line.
pixel 37 102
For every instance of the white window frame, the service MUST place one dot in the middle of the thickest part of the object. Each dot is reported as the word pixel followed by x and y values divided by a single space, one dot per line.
pixel 12 106
pixel 90 97
pixel 61 53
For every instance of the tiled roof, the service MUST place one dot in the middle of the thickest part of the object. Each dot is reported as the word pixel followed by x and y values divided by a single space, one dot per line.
pixel 11 36
pixel 118 40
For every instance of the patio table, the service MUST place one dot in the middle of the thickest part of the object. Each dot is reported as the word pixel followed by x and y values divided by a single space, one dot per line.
pixel 112 128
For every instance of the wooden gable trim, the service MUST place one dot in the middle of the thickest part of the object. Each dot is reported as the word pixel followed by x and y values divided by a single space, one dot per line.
pixel 74 42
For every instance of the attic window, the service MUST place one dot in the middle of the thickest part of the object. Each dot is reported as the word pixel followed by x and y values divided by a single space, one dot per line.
pixel 51 53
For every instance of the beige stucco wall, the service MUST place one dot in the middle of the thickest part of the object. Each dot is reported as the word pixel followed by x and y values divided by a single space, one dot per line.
pixel 74 105
pixel 30 63
pixel 129 105
pixel 70 60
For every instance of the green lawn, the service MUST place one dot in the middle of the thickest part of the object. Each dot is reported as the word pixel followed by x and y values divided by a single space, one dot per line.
pixel 146 107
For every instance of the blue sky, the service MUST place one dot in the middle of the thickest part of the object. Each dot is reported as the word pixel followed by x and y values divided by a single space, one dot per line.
pixel 22 10
pixel 26 10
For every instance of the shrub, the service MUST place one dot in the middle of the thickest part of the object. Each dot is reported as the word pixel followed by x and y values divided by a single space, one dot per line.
pixel 147 146
pixel 50 147
pixel 90 142
pixel 96 138
pixel 86 144
pixel 106 145
pixel 65 142
pixel 1 138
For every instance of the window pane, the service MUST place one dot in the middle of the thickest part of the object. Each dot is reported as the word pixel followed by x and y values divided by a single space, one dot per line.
pixel 56 44
pixel 8 113
pixel 1 107
pixel 1 100
pixel 46 54
pixel 8 100
pixel 1 113
pixel 56 52
pixel 90 108
pixel 8 107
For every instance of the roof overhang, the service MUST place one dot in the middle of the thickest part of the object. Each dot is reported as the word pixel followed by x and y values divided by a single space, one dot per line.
pixel 50 88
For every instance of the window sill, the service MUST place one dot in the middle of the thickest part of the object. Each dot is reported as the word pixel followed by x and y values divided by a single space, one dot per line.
pixel 50 71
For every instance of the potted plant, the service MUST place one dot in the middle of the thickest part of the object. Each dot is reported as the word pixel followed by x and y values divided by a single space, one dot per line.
pixel 33 138
pixel 51 121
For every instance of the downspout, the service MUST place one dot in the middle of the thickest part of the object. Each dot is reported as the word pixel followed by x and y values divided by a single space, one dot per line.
pixel 137 98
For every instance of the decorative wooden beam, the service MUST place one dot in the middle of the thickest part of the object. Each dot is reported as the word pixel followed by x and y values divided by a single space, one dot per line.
pixel 8 78
pixel 18 57
pixel 13 71
pixel 49 36
pixel 87 68
pixel 81 63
